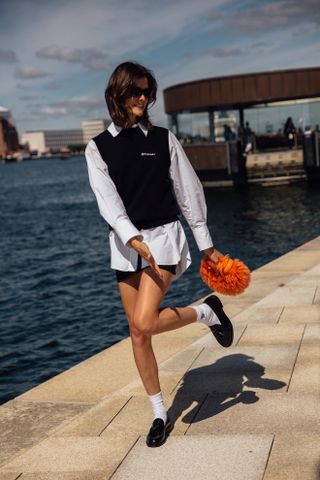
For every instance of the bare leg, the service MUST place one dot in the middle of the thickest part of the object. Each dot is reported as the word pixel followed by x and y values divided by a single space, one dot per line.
pixel 171 318
pixel 141 343
pixel 141 296
pixel 147 316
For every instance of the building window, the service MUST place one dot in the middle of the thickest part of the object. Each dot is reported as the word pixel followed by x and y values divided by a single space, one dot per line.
pixel 271 118
pixel 190 127
pixel 226 123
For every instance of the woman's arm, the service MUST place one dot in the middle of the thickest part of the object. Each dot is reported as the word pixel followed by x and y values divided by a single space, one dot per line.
pixel 190 196
pixel 109 201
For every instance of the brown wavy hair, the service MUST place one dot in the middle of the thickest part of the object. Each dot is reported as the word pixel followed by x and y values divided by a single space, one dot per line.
pixel 120 82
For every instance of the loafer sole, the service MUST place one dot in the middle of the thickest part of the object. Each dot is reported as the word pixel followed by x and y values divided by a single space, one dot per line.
pixel 223 333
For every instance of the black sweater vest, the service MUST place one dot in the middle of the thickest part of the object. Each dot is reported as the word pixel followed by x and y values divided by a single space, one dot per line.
pixel 139 167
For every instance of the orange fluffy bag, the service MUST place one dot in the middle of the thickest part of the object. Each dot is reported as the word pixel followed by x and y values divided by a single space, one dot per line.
pixel 227 276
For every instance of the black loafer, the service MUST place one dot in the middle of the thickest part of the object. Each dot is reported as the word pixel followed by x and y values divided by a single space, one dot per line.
pixel 224 332
pixel 158 432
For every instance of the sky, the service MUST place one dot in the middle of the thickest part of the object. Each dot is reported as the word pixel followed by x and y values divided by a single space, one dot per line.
pixel 56 56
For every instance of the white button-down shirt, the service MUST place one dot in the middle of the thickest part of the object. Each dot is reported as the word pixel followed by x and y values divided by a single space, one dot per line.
pixel 168 243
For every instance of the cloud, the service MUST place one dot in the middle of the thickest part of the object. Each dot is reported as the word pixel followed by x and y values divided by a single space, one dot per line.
pixel 25 117
pixel 59 37
pixel 259 45
pixel 98 65
pixel 27 97
pixel 215 15
pixel 303 31
pixel 23 86
pixel 8 56
pixel 49 111
pixel 275 15
pixel 82 102
pixel 108 28
pixel 54 85
pixel 76 105
pixel 225 52
pixel 91 58
pixel 27 72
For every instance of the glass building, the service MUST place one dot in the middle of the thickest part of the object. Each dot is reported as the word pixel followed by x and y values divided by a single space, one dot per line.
pixel 215 110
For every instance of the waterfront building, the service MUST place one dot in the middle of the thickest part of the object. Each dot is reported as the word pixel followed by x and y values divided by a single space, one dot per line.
pixel 35 141
pixel 43 141
pixel 7 115
pixel 207 115
pixel 9 142
pixel 92 128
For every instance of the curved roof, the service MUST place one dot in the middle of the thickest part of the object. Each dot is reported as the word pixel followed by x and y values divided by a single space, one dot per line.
pixel 243 90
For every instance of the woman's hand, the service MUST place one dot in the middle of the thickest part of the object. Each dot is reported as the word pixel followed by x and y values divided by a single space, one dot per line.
pixel 213 254
pixel 142 249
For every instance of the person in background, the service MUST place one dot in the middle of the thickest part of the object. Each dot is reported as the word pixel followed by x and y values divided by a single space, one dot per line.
pixel 290 130
pixel 248 139
pixel 142 180
pixel 228 133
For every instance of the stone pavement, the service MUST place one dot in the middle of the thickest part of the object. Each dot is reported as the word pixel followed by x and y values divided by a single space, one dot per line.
pixel 247 412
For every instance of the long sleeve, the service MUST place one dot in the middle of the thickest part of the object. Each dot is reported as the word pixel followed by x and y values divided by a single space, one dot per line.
pixel 109 201
pixel 189 193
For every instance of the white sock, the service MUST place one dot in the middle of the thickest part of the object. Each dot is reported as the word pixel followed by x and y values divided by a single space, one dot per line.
pixel 206 315
pixel 158 407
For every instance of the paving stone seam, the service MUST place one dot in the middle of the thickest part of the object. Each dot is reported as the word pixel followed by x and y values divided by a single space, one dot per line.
pixel 244 330
pixel 200 404
pixel 193 361
pixel 23 451
pixel 123 406
pixel 19 476
pixel 50 432
pixel 315 295
pixel 134 382
pixel 119 465
pixel 295 361
pixel 269 455
pixel 15 478
pixel 278 321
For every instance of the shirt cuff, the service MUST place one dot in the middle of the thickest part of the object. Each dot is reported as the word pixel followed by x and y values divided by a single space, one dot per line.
pixel 202 237
pixel 126 230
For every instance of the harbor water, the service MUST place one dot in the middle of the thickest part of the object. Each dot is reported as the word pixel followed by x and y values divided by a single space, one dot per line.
pixel 59 300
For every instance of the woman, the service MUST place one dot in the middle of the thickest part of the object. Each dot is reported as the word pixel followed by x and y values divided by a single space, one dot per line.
pixel 141 177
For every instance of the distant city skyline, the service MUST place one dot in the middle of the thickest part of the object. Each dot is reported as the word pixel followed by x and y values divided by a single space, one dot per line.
pixel 56 57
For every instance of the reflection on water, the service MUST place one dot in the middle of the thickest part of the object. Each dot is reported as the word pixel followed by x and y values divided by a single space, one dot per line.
pixel 259 224
pixel 59 299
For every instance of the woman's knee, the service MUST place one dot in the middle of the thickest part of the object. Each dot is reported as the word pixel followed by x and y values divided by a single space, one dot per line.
pixel 144 324
pixel 140 339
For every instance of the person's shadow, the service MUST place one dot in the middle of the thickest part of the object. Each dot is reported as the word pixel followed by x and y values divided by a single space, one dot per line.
pixel 224 379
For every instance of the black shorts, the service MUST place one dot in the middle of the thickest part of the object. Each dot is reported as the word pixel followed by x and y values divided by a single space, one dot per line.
pixel 125 275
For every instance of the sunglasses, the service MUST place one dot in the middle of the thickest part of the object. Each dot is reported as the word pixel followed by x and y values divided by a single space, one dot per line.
pixel 137 92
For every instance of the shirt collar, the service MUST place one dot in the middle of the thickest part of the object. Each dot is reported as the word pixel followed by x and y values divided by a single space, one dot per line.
pixel 116 129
